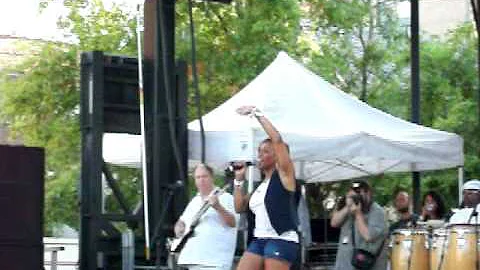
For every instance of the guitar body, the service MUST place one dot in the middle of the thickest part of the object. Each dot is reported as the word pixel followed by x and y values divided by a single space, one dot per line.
pixel 179 243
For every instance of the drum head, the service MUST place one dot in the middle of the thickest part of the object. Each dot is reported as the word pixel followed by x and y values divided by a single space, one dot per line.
pixel 412 231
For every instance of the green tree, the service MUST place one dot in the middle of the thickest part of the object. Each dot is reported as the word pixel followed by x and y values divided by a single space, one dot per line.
pixel 42 105
pixel 360 48
pixel 363 37
pixel 235 42
pixel 448 85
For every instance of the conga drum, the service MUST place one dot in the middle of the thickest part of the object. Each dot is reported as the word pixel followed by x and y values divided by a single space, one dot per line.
pixel 409 249
pixel 462 248
pixel 438 248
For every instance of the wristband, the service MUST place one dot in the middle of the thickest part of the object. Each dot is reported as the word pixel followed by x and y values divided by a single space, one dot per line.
pixel 238 183
pixel 256 113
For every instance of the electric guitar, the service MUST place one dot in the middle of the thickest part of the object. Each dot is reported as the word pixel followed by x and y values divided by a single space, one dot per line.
pixel 178 243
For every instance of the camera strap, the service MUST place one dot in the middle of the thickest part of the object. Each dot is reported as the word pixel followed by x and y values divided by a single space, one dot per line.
pixel 353 232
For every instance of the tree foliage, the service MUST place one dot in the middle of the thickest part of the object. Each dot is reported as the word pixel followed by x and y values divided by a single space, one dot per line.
pixel 235 42
pixel 361 46
pixel 233 45
pixel 362 41
pixel 41 106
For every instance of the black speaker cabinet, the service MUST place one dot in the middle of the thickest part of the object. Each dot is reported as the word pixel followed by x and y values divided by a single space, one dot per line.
pixel 21 207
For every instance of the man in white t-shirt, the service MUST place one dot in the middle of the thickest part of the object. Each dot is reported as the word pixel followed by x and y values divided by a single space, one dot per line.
pixel 471 199
pixel 212 245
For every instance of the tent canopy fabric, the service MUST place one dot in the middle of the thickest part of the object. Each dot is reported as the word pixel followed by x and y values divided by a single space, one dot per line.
pixel 332 135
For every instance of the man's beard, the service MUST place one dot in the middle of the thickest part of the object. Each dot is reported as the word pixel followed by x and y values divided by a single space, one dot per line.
pixel 403 210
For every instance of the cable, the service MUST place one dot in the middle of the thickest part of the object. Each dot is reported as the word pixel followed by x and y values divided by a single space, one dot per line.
pixel 195 81
pixel 167 80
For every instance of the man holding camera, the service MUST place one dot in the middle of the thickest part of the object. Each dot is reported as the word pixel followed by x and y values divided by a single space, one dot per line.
pixel 363 230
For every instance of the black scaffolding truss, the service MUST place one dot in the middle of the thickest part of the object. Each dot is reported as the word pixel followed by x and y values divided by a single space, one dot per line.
pixel 110 103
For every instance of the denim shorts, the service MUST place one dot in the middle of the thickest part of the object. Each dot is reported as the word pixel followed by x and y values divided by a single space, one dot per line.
pixel 275 249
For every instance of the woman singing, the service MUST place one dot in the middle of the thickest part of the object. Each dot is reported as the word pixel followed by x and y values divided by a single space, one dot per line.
pixel 276 243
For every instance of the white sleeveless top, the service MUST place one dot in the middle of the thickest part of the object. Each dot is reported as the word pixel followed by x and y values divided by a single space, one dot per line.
pixel 263 226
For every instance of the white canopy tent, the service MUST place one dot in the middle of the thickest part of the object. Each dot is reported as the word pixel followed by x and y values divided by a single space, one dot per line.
pixel 332 135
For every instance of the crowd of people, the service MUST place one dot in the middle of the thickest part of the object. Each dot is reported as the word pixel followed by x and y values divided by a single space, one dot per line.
pixel 364 232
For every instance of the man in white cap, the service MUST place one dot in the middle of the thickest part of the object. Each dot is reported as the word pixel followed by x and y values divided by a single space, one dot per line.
pixel 471 200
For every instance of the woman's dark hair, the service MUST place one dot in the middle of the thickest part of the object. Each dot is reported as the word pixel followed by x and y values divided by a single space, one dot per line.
pixel 441 209
pixel 268 140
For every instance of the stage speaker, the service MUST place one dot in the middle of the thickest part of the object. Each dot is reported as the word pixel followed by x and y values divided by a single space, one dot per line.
pixel 21 207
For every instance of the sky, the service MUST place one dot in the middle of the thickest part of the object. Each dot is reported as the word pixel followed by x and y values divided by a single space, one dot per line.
pixel 22 18
pixel 403 9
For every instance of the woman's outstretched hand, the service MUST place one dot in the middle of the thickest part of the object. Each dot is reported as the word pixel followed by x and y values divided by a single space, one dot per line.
pixel 246 110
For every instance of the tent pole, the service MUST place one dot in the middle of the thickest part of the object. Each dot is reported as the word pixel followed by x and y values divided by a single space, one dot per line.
pixel 146 211
pixel 460 185
pixel 416 193
pixel 252 156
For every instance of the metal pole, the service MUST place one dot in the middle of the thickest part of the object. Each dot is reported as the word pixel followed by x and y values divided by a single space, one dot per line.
pixel 128 250
pixel 474 4
pixel 460 185
pixel 415 100
pixel 478 70
pixel 142 135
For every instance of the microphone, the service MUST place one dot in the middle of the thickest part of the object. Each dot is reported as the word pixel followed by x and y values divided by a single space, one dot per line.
pixel 234 165
pixel 177 184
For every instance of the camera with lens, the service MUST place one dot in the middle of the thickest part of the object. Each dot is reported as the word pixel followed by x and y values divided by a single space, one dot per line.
pixel 357 198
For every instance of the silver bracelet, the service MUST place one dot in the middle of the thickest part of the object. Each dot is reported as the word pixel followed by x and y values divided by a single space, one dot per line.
pixel 256 113
pixel 238 183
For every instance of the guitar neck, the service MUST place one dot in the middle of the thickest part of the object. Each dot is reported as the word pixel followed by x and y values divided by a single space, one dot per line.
pixel 206 205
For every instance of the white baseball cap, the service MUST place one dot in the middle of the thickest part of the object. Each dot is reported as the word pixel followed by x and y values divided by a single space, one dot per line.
pixel 473 184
